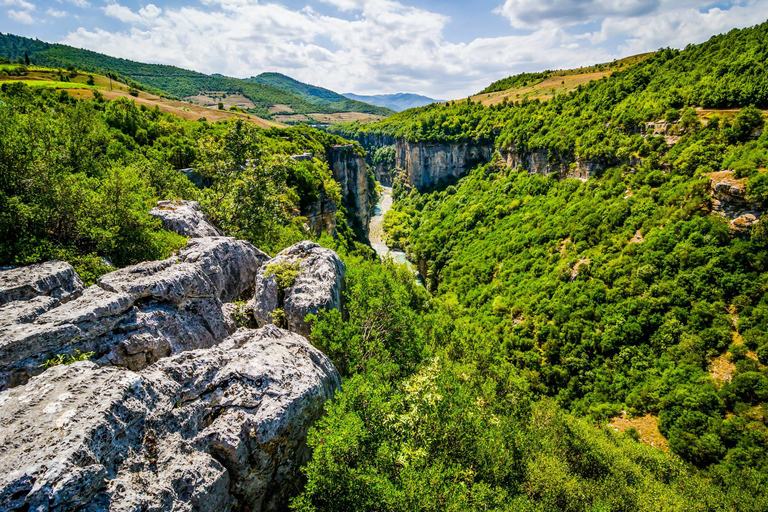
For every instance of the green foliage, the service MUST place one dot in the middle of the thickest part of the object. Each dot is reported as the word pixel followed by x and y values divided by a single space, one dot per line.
pixel 67 359
pixel 285 273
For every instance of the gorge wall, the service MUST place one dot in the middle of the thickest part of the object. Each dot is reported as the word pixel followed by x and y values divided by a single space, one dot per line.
pixel 544 162
pixel 427 164
pixel 358 193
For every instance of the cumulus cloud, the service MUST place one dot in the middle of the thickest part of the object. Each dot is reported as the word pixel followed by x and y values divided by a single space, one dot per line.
pixel 385 46
pixel 22 4
pixel 21 16
pixel 145 15
pixel 56 14
pixel 373 46
pixel 77 3
pixel 537 13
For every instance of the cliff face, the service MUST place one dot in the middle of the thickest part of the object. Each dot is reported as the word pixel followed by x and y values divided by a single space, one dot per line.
pixel 541 161
pixel 351 171
pixel 383 174
pixel 427 164
pixel 321 214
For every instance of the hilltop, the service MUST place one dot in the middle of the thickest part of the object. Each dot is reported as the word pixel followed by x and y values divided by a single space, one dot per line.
pixel 320 96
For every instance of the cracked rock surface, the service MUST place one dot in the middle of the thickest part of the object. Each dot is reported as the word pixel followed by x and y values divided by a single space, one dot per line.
pixel 185 218
pixel 132 318
pixel 318 286
pixel 219 429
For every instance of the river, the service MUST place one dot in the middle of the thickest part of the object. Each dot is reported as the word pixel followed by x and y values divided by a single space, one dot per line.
pixel 377 237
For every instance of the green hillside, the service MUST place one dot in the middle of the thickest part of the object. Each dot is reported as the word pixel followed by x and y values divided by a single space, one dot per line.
pixel 174 81
pixel 625 298
pixel 318 95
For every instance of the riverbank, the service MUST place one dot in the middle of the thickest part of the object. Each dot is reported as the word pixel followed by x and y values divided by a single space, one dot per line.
pixel 377 237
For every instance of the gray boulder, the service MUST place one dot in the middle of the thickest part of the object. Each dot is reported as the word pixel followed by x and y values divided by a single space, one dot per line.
pixel 184 217
pixel 319 285
pixel 230 264
pixel 55 279
pixel 134 316
pixel 215 429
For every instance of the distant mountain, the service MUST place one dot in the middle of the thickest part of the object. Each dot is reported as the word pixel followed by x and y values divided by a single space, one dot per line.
pixel 319 95
pixel 397 102
pixel 257 97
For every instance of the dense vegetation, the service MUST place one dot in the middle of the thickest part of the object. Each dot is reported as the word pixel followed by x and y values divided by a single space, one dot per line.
pixel 173 81
pixel 599 297
pixel 77 178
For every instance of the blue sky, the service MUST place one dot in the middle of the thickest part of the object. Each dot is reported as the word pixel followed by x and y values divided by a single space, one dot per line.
pixel 444 49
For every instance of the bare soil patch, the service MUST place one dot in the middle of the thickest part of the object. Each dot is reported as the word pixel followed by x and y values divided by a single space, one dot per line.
pixel 647 426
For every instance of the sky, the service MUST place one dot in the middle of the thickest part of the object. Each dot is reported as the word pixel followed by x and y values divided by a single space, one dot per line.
pixel 444 49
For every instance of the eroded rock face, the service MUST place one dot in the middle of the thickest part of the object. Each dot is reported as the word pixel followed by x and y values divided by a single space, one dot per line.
pixel 321 214
pixel 215 429
pixel 729 199
pixel 184 217
pixel 135 315
pixel 318 286
pixel 541 161
pixel 55 279
pixel 427 164
pixel 230 264
pixel 351 171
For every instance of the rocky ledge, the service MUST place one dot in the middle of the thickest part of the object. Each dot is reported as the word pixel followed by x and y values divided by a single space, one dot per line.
pixel 184 217
pixel 317 284
pixel 175 409
pixel 217 429
pixel 132 317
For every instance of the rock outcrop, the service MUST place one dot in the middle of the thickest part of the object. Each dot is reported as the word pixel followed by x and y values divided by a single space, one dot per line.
pixel 427 164
pixel 54 279
pixel 729 199
pixel 196 178
pixel 216 429
pixel 185 218
pixel 318 285
pixel 351 171
pixel 134 316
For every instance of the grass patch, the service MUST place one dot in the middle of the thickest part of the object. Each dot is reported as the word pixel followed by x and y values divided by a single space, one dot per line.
pixel 57 85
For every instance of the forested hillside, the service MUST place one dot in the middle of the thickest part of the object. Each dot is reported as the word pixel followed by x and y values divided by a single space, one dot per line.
pixel 629 298
pixel 174 81
pixel 318 95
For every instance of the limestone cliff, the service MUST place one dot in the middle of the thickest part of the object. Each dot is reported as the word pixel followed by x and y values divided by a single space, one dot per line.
pixel 541 161
pixel 358 192
pixel 427 164
pixel 321 214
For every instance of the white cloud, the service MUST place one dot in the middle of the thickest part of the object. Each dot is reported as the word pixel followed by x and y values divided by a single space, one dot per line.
pixel 387 46
pixel 77 3
pixel 373 46
pixel 21 17
pixel 22 4
pixel 56 14
pixel 536 13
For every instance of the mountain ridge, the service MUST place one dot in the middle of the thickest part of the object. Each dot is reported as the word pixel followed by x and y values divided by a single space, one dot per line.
pixel 398 101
